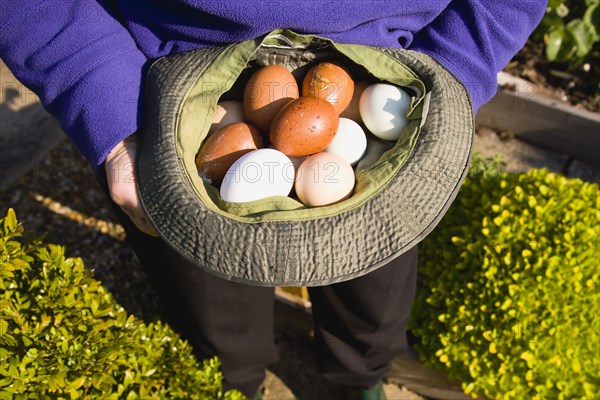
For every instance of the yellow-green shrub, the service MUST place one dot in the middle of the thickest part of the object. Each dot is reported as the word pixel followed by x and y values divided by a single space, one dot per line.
pixel 508 287
pixel 62 336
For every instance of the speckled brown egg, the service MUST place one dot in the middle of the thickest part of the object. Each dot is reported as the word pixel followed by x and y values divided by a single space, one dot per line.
pixel 224 147
pixel 331 82
pixel 304 126
pixel 267 91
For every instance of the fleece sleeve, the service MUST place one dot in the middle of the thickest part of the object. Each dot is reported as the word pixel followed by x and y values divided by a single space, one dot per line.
pixel 81 62
pixel 475 39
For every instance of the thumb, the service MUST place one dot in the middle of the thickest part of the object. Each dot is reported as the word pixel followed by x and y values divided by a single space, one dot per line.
pixel 122 185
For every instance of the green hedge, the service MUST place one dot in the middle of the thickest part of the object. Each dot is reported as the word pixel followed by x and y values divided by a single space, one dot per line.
pixel 62 336
pixel 508 287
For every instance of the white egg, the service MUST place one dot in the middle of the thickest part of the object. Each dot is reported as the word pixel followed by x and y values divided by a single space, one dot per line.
pixel 349 142
pixel 383 108
pixel 227 112
pixel 256 175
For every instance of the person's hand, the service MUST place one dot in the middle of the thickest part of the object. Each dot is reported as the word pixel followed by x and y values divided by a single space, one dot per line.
pixel 120 173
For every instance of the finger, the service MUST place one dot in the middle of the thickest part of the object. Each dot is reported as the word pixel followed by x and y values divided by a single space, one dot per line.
pixel 128 211
pixel 144 225
pixel 140 221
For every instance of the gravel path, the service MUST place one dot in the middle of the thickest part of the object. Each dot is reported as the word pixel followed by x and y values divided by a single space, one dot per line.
pixel 60 199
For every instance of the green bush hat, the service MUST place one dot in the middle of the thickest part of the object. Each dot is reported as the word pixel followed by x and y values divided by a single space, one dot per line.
pixel 398 199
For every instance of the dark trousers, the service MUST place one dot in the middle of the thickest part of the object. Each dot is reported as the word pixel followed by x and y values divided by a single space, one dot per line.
pixel 359 324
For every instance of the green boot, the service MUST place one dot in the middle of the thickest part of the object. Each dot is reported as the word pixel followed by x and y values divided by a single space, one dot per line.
pixel 373 393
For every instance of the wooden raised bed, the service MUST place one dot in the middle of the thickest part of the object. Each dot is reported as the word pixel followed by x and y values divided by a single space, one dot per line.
pixel 27 131
pixel 545 122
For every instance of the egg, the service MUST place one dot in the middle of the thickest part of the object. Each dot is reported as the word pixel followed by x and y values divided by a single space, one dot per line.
pixel 221 149
pixel 304 126
pixel 323 179
pixel 296 161
pixel 349 142
pixel 375 149
pixel 383 108
pixel 331 82
pixel 257 175
pixel 266 92
pixel 352 111
pixel 227 112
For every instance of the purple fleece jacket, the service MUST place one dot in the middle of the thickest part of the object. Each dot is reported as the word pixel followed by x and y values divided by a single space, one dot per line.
pixel 85 58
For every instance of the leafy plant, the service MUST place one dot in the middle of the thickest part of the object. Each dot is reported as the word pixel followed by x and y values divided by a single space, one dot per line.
pixel 62 336
pixel 508 287
pixel 570 29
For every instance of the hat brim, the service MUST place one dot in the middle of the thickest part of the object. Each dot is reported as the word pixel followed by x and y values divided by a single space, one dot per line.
pixel 309 252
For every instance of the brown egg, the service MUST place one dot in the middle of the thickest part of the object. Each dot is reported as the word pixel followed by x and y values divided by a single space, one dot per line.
pixel 304 126
pixel 352 112
pixel 227 112
pixel 221 149
pixel 267 91
pixel 331 82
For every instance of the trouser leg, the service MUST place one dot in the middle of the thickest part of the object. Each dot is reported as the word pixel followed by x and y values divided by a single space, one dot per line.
pixel 360 325
pixel 218 317
pixel 229 320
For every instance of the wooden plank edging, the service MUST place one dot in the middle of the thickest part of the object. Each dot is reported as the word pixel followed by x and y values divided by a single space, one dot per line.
pixel 548 123
pixel 27 131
